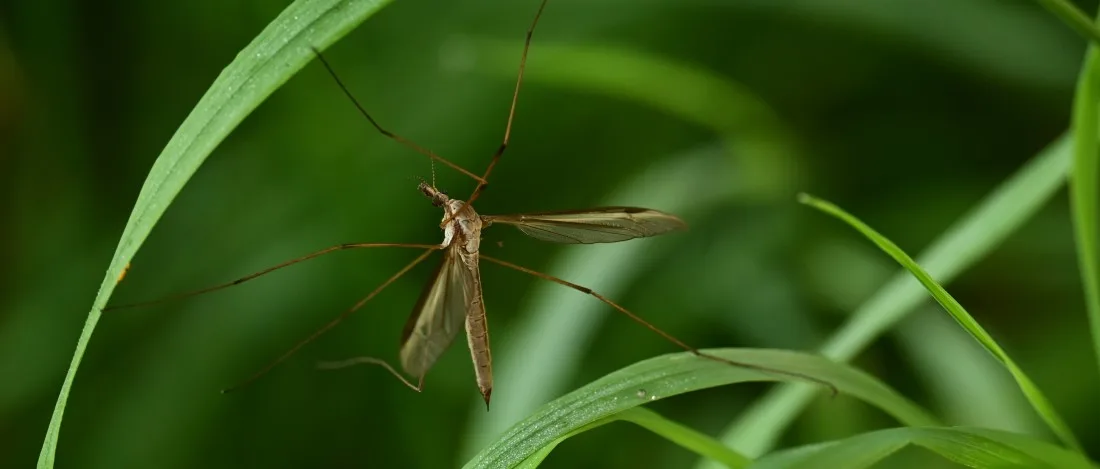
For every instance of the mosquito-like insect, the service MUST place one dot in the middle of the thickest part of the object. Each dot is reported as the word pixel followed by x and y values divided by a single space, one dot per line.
pixel 452 300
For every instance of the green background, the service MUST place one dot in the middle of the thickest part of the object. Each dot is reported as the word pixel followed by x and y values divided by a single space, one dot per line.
pixel 903 111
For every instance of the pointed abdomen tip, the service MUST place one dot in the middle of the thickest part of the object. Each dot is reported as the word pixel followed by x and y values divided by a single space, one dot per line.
pixel 485 394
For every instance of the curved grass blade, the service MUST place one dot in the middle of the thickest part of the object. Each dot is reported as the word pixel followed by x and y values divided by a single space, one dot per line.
pixel 1039 401
pixel 970 447
pixel 672 374
pixel 1084 189
pixel 276 54
pixel 686 437
pixel 963 244
pixel 1073 17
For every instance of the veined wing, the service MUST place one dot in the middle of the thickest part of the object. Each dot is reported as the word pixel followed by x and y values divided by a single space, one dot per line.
pixel 437 317
pixel 597 225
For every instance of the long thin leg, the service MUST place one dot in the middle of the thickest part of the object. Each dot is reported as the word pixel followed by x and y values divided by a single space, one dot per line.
pixel 648 325
pixel 333 365
pixel 512 109
pixel 251 276
pixel 395 137
pixel 334 322
pixel 484 179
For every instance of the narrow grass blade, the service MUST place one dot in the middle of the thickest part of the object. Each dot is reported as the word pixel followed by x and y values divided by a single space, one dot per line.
pixel 683 436
pixel 967 241
pixel 678 373
pixel 1084 189
pixel 1074 17
pixel 970 447
pixel 1039 401
pixel 276 54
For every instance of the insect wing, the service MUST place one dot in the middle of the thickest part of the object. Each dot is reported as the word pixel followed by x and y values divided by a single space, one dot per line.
pixel 438 316
pixel 599 225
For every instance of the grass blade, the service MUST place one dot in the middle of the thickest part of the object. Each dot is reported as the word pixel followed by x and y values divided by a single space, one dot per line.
pixel 970 447
pixel 673 374
pixel 1039 401
pixel 276 54
pixel 1072 16
pixel 1083 185
pixel 960 246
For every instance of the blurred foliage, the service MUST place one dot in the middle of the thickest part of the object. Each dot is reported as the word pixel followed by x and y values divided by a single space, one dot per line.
pixel 904 112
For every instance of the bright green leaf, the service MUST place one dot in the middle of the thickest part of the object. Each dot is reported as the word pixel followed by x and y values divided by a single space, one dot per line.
pixel 276 54
pixel 1084 190
pixel 1039 401
pixel 960 246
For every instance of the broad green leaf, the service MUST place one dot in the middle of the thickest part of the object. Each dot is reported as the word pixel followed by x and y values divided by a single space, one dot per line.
pixel 1039 401
pixel 970 447
pixel 276 54
pixel 672 374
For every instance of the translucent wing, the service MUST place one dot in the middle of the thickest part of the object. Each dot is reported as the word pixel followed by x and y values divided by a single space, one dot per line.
pixel 597 225
pixel 437 318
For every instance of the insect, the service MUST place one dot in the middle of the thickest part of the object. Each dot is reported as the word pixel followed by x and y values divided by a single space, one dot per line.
pixel 122 275
pixel 452 299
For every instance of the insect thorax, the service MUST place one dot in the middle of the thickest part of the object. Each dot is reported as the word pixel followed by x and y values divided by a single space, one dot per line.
pixel 466 225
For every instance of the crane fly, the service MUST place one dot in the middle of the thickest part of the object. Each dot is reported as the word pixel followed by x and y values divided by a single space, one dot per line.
pixel 452 299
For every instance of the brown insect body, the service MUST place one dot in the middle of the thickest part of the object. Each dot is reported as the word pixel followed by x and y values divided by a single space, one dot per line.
pixel 455 296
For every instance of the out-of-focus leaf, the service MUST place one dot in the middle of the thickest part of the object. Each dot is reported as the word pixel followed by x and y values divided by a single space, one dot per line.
pixel 1084 187
pixel 761 143
pixel 971 447
pixel 1073 17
